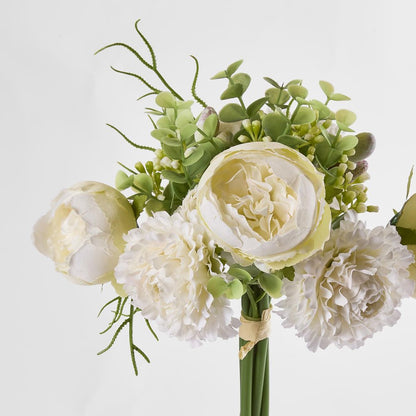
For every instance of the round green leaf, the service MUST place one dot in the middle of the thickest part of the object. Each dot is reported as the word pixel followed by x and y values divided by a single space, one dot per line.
pixel 123 181
pixel 233 67
pixel 217 286
pixel 240 274
pixel 275 124
pixel 271 284
pixel 297 91
pixel 243 79
pixel 166 100
pixel 234 290
pixel 304 115
pixel 143 182
pixel 346 117
pixel 346 143
pixel 327 88
pixel 232 112
pixel 232 91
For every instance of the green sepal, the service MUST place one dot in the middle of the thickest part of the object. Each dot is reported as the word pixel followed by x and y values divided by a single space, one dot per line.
pixel 275 124
pixel 232 112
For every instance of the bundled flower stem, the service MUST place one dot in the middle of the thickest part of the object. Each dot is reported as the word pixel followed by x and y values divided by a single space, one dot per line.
pixel 254 367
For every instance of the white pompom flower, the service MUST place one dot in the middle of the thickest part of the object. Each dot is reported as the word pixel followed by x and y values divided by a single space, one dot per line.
pixel 349 290
pixel 165 269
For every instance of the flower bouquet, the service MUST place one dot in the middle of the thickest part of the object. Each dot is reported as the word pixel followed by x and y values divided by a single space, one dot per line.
pixel 257 201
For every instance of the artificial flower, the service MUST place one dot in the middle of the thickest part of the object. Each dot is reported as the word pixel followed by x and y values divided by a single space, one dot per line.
pixel 83 231
pixel 351 289
pixel 165 270
pixel 265 204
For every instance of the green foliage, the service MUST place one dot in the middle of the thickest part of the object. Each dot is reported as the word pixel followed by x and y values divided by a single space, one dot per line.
pixel 232 112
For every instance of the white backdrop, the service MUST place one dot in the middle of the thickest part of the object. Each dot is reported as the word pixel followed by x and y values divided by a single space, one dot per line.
pixel 55 100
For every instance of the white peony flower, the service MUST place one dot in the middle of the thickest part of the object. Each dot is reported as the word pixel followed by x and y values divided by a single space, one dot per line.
pixel 165 269
pixel 265 204
pixel 349 290
pixel 83 232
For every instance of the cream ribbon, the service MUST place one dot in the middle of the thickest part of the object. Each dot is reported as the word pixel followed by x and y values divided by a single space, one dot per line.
pixel 254 331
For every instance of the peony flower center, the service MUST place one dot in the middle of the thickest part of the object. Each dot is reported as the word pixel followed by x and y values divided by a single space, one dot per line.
pixel 266 201
pixel 68 233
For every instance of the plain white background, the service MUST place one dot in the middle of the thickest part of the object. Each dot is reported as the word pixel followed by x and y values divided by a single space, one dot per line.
pixel 55 100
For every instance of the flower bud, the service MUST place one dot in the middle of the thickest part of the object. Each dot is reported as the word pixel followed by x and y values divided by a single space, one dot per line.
pixel 372 208
pixel 243 139
pixel 361 208
pixel 267 139
pixel 149 166
pixel 139 167
pixel 365 147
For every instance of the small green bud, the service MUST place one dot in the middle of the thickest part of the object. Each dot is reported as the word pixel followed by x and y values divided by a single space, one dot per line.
pixel 139 167
pixel 342 167
pixel 362 197
pixel 247 125
pixel 311 150
pixel 348 177
pixel 372 208
pixel 349 196
pixel 161 197
pixel 159 153
pixel 327 123
pixel 344 159
pixel 311 157
pixel 319 139
pixel 350 152
pixel 351 165
pixel 243 139
pixel 339 181
pixel 256 125
pixel 267 139
pixel 361 208
pixel 157 178
pixel 149 166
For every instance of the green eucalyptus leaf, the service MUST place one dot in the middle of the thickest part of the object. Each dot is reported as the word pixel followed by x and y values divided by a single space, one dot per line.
pixel 271 284
pixel 277 96
pixel 233 67
pixel 240 274
pixel 232 91
pixel 164 123
pixel 194 157
pixel 210 125
pixel 165 100
pixel 182 105
pixel 234 290
pixel 220 75
pixel 217 286
pixel 174 151
pixel 344 127
pixel 139 201
pixel 346 143
pixel 188 131
pixel 324 111
pixel 327 88
pixel 255 106
pixel 305 115
pixel 339 97
pixel 232 112
pixel 291 141
pixel 243 79
pixel 184 117
pixel 143 182
pixel 275 124
pixel 272 82
pixel 297 91
pixel 327 155
pixel 293 82
pixel 123 181
pixel 346 117
pixel 172 176
pixel 159 134
pixel 154 205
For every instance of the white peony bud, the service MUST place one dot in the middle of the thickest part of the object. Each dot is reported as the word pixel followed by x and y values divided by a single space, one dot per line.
pixel 83 231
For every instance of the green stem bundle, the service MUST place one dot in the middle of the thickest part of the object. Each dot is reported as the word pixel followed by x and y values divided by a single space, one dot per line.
pixel 254 368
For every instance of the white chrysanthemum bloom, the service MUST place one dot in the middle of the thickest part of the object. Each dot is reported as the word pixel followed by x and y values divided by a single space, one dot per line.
pixel 165 269
pixel 348 291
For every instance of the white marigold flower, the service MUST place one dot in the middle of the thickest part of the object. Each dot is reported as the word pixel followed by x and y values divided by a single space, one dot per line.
pixel 165 269
pixel 349 290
